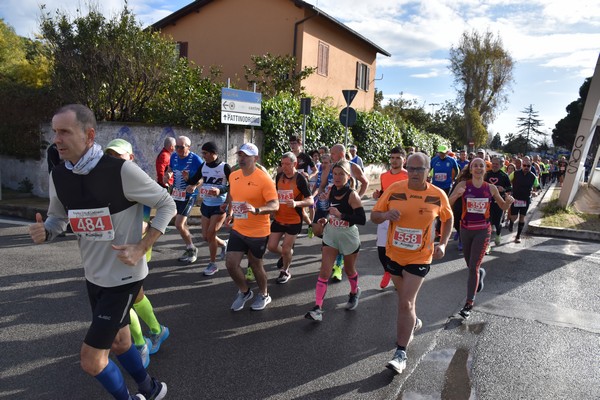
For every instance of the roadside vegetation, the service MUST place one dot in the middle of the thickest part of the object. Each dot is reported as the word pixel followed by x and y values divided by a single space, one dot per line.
pixel 568 217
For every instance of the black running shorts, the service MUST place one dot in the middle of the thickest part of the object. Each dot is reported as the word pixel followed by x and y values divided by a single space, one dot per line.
pixel 110 312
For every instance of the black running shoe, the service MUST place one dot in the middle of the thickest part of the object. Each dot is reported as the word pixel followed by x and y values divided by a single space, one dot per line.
pixel 466 311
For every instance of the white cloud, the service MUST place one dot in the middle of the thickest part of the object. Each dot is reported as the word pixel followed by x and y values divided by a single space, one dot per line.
pixel 431 74
pixel 398 61
pixel 572 12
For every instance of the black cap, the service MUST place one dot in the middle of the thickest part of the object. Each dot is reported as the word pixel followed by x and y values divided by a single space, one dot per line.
pixel 211 147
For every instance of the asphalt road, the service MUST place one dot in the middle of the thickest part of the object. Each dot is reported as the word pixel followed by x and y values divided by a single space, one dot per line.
pixel 535 332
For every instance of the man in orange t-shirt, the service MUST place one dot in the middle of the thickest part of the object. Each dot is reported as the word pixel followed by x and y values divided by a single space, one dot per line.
pixel 412 206
pixel 294 194
pixel 252 197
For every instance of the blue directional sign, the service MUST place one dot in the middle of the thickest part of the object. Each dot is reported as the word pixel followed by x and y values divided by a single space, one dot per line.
pixel 240 107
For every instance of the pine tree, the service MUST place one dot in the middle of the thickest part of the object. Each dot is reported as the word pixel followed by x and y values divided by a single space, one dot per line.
pixel 529 128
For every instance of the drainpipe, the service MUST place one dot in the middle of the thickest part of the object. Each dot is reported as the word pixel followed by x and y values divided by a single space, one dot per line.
pixel 296 31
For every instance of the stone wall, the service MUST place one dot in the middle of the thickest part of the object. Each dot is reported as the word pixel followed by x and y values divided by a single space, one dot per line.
pixel 147 141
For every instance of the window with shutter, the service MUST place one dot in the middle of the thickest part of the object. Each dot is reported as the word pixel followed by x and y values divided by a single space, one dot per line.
pixel 362 76
pixel 323 59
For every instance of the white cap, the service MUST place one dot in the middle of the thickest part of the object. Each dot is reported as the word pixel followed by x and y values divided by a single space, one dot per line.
pixel 249 149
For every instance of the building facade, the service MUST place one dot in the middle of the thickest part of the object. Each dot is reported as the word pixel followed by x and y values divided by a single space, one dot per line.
pixel 226 33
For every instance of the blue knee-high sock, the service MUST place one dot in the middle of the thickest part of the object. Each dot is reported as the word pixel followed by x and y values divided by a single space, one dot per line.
pixel 132 362
pixel 112 380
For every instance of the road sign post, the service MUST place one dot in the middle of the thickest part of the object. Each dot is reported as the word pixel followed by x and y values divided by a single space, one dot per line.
pixel 348 114
pixel 304 111
pixel 239 107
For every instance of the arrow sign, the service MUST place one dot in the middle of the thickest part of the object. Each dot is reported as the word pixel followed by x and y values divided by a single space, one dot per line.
pixel 349 95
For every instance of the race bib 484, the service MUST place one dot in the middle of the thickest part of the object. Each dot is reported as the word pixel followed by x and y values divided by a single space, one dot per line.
pixel 92 224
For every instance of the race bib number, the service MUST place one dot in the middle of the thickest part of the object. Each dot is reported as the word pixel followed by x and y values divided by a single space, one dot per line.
pixel 440 176
pixel 284 195
pixel 519 203
pixel 407 238
pixel 178 194
pixel 477 205
pixel 92 224
pixel 205 192
pixel 238 210
pixel 337 222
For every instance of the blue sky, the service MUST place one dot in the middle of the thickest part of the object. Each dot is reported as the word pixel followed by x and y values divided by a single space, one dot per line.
pixel 555 43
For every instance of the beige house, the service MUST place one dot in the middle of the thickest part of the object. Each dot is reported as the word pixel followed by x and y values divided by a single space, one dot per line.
pixel 226 33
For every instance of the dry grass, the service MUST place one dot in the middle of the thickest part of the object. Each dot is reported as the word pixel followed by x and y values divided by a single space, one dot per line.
pixel 557 216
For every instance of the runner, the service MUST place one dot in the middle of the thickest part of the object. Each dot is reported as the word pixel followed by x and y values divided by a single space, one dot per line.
pixel 411 206
pixel 354 157
pixel 338 152
pixel 524 182
pixel 122 149
pixel 102 199
pixel 462 160
pixel 163 160
pixel 396 173
pixel 294 194
pixel 443 171
pixel 252 197
pixel 475 227
pixel 183 165
pixel 214 176
pixel 306 166
pixel 562 169
pixel 500 179
pixel 340 236
pixel 322 196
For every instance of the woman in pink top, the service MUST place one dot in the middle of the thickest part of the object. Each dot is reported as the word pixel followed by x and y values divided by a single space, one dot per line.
pixel 475 226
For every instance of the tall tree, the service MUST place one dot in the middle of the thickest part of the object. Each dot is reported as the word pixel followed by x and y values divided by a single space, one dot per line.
pixel 482 71
pixel 565 130
pixel 403 110
pixel 22 60
pixel 448 122
pixel 274 74
pixel 113 66
pixel 496 142
pixel 26 99
pixel 529 128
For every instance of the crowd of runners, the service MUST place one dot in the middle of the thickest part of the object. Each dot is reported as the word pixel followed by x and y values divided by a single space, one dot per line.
pixel 422 202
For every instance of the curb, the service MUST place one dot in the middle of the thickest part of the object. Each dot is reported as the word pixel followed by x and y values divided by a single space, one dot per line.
pixel 535 227
pixel 28 212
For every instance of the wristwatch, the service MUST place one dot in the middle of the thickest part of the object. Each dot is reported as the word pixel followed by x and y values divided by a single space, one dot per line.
pixel 256 211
